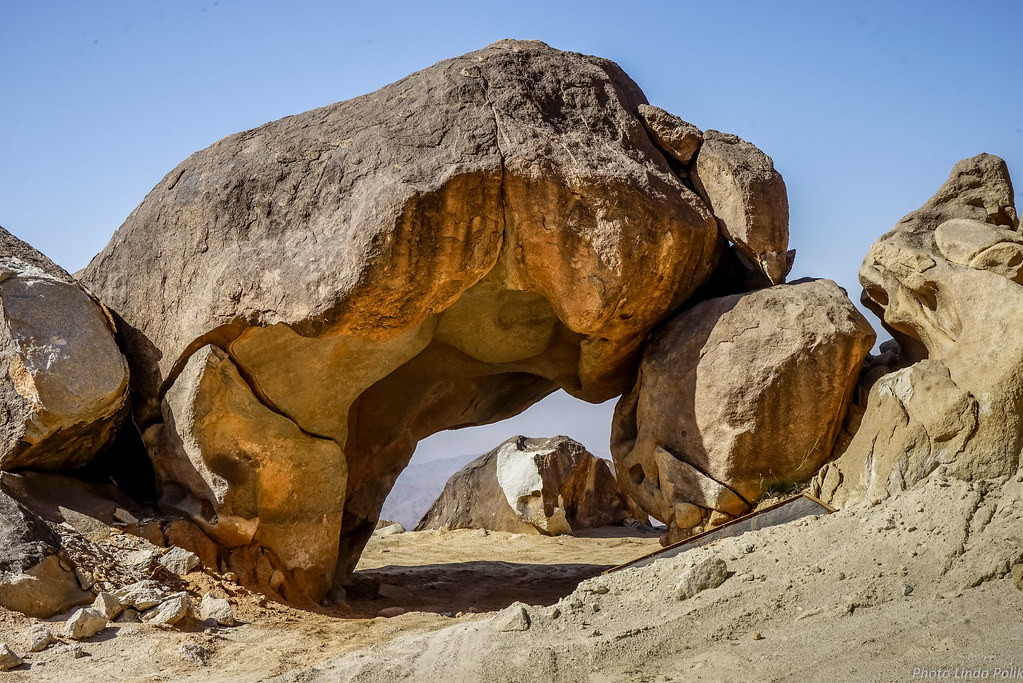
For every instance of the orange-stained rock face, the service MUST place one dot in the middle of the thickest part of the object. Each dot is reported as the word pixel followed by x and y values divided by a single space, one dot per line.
pixel 443 252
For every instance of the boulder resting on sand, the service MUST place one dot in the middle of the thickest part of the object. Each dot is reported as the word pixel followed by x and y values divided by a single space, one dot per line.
pixel 551 486
pixel 734 396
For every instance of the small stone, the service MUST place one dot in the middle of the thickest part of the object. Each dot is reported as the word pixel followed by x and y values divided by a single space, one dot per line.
pixel 555 613
pixel 513 618
pixel 179 560
pixel 171 611
pixel 76 650
pixel 40 637
pixel 389 612
pixel 142 595
pixel 600 589
pixel 757 635
pixel 231 576
pixel 107 605
pixel 8 660
pixel 481 533
pixel 194 653
pixel 217 609
pixel 390 530
pixel 906 589
pixel 85 623
pixel 710 573
pixel 129 616
pixel 122 515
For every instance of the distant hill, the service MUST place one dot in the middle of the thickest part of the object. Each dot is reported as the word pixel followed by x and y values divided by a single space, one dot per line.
pixel 418 486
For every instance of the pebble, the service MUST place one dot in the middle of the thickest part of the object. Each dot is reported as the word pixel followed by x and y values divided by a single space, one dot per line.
pixel 40 637
pixel 8 660
pixel 389 612
pixel 85 623
pixel 757 635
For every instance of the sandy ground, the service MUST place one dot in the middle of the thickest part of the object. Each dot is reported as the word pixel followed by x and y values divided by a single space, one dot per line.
pixel 434 575
pixel 923 583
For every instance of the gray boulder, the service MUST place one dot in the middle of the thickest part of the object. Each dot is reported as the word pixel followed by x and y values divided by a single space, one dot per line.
pixel 64 392
pixel 551 486
pixel 35 574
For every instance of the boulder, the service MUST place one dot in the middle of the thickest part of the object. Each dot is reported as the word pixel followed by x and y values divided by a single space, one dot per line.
pixel 36 578
pixel 678 138
pixel 748 197
pixel 441 253
pixel 548 486
pixel 708 574
pixel 946 283
pixel 736 395
pixel 64 390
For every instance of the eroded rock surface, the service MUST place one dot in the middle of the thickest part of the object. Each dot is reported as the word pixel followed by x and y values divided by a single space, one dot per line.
pixel 736 395
pixel 36 577
pixel 551 486
pixel 946 283
pixel 440 253
pixel 747 195
pixel 63 392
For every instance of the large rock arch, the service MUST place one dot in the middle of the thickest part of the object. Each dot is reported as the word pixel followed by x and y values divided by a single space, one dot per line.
pixel 302 302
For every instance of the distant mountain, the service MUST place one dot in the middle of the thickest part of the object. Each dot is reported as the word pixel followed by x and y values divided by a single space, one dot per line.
pixel 418 486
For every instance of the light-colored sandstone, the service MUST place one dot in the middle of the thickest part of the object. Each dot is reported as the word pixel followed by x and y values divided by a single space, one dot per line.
pixel 945 281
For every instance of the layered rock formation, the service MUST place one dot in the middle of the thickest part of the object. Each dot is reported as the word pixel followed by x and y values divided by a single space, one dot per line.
pixel 551 486
pixel 64 388
pixel 734 396
pixel 946 283
pixel 440 253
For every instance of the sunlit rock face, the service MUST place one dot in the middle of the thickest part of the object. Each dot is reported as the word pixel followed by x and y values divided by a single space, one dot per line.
pixel 736 395
pixel 549 486
pixel 441 253
pixel 64 385
pixel 946 283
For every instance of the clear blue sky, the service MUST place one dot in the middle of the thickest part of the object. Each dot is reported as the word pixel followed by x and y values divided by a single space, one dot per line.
pixel 864 106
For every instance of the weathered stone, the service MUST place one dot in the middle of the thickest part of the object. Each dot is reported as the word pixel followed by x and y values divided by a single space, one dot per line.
pixel 441 253
pixel 64 383
pixel 84 623
pixel 108 605
pixel 708 574
pixel 32 580
pixel 171 611
pixel 142 595
pixel 945 282
pixel 736 395
pixel 672 134
pixel 748 197
pixel 8 660
pixel 389 612
pixel 390 530
pixel 40 637
pixel 179 560
pixel 217 609
pixel 551 486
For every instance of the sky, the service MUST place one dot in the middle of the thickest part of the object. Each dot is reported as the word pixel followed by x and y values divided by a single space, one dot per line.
pixel 864 106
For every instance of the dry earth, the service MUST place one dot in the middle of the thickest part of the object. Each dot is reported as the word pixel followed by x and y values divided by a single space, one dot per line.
pixel 926 580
